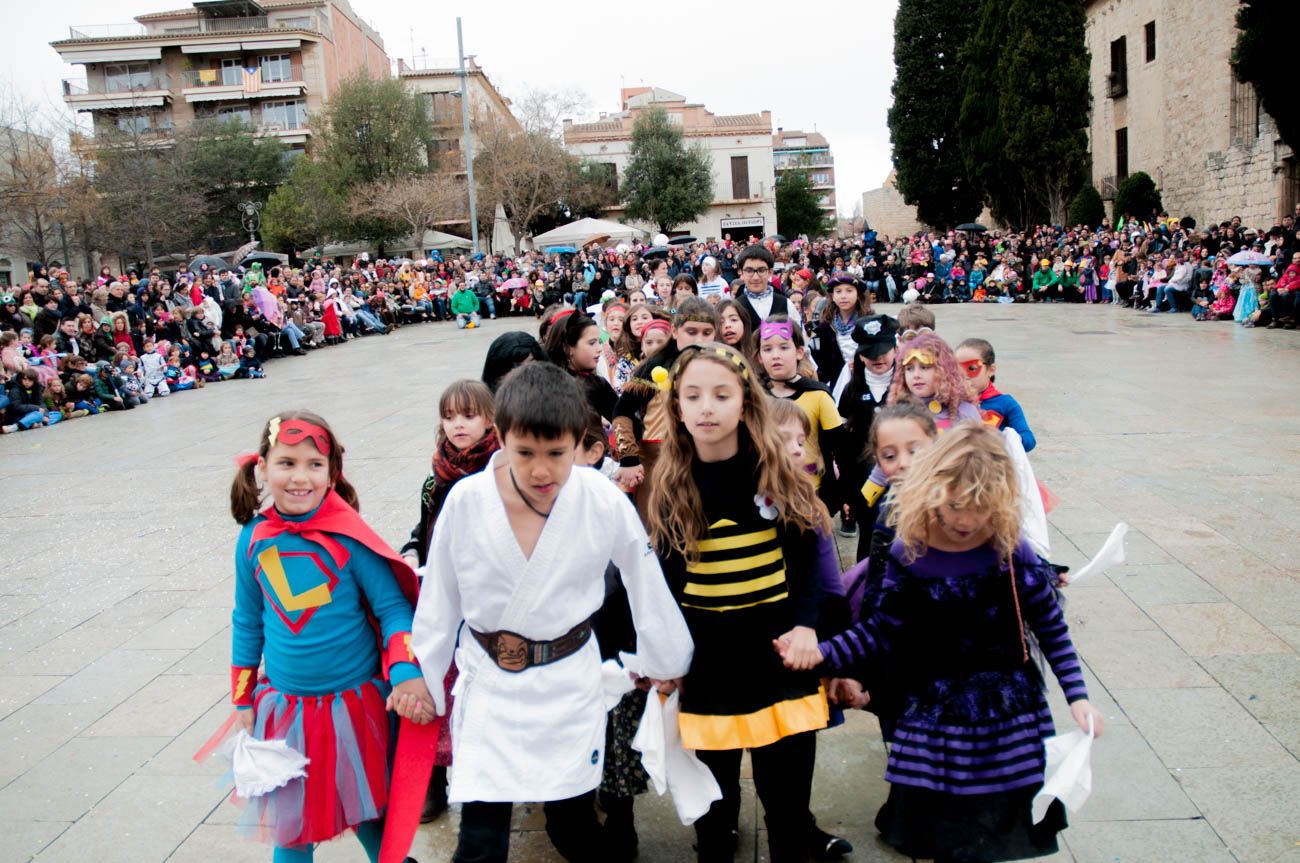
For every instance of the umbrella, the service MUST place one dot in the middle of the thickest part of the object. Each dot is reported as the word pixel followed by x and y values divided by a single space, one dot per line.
pixel 972 227
pixel 563 250
pixel 682 241
pixel 244 250
pixel 1249 258
pixel 214 263
pixel 516 282
pixel 655 252
pixel 266 259
pixel 598 239
pixel 780 238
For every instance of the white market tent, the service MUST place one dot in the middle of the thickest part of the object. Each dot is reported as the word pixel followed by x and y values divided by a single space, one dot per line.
pixel 584 231
pixel 433 240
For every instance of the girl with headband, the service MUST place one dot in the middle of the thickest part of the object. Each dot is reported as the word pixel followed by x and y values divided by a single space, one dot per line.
pixel 735 524
pixel 314 586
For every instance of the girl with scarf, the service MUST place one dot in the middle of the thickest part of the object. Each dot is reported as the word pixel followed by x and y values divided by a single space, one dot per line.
pixel 466 441
pixel 833 344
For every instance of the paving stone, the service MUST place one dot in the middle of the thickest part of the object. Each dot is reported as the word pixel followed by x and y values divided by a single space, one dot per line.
pixel 23 839
pixel 112 678
pixel 1130 783
pixel 75 777
pixel 1266 685
pixel 35 730
pixel 164 707
pixel 183 628
pixel 1214 628
pixel 1252 808
pixel 1184 841
pixel 1199 728
pixel 1163 584
pixel 1136 659
pixel 144 818
pixel 1102 606
pixel 16 691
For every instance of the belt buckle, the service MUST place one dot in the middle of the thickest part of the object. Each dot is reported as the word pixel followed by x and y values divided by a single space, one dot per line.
pixel 511 652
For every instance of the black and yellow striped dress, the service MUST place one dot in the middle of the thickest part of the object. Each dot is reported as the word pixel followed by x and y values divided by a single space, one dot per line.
pixel 752 583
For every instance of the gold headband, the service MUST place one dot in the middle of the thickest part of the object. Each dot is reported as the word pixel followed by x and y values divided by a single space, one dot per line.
pixel 715 350
pixel 925 358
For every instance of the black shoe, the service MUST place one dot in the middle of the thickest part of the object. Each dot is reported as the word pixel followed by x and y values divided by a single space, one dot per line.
pixel 299 352
pixel 828 847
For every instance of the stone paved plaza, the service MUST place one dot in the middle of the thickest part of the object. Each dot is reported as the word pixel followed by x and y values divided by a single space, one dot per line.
pixel 116 590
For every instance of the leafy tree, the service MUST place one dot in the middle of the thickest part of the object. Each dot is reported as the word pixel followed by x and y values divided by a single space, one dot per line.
pixel 228 162
pixel 1086 207
pixel 145 201
pixel 980 134
pixel 310 209
pixel 667 183
pixel 798 210
pixel 927 90
pixel 1264 58
pixel 375 129
pixel 31 206
pixel 1137 197
pixel 1044 101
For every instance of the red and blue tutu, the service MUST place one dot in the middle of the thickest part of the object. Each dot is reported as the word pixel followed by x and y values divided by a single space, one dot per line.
pixel 345 736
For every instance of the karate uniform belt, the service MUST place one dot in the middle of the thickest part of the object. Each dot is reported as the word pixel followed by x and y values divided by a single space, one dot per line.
pixel 513 652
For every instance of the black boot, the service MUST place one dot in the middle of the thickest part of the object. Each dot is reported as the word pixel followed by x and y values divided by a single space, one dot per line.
pixel 435 799
pixel 620 827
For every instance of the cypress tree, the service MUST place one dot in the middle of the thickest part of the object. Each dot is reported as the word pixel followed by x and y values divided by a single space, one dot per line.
pixel 1042 75
pixel 928 38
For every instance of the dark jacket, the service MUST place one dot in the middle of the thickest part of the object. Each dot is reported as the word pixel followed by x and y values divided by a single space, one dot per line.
pixel 780 306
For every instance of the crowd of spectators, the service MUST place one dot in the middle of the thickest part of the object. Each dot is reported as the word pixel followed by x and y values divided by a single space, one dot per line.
pixel 72 349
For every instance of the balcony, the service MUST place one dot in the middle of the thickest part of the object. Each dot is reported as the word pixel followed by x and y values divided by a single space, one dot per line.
pixel 200 24
pixel 1117 84
pixel 214 85
pixel 785 161
pixel 117 91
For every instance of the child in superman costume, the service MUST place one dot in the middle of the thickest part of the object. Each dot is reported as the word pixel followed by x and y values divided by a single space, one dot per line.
pixel 327 605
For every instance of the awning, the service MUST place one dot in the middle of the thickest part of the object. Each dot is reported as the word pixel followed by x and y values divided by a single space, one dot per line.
pixel 274 43
pixel 211 48
pixel 113 55
pixel 126 100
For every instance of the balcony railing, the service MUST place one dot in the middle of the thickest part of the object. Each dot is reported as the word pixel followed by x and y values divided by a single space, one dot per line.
pixel 199 24
pixel 1117 84
pixel 234 76
pixel 111 85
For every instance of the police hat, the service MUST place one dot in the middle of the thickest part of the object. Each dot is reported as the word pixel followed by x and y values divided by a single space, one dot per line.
pixel 875 335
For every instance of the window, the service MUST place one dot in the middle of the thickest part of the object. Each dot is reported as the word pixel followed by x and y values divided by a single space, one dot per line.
pixel 1151 40
pixel 1244 105
pixel 821 178
pixel 444 108
pixel 126 77
pixel 242 112
pixel 284 115
pixel 134 123
pixel 276 67
pixel 739 177
pixel 1121 153
pixel 232 72
pixel 1117 81
pixel 611 171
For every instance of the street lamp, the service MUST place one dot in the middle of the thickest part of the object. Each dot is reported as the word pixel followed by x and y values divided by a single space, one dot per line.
pixel 250 216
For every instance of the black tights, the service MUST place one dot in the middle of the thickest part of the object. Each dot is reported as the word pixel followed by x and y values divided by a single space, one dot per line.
pixel 783 773
pixel 571 824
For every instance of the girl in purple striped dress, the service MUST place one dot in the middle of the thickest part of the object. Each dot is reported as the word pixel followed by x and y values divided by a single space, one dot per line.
pixel 959 595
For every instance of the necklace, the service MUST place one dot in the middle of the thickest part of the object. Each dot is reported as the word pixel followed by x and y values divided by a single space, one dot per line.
pixel 519 491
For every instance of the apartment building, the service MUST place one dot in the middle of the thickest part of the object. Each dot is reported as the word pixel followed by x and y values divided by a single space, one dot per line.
pixel 740 146
pixel 438 82
pixel 810 152
pixel 272 64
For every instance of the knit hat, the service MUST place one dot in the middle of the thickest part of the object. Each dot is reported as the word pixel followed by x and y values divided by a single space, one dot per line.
pixel 107 319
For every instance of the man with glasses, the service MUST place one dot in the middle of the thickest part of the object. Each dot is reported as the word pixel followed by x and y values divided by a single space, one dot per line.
pixel 759 298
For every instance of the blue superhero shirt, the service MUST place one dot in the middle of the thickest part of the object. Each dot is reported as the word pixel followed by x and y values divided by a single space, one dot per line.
pixel 1001 410
pixel 305 614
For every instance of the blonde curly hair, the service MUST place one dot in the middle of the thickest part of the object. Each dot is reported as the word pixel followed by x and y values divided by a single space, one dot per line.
pixel 968 466
pixel 675 512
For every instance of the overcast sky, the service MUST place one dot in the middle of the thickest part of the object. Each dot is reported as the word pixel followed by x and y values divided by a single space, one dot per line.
pixel 828 65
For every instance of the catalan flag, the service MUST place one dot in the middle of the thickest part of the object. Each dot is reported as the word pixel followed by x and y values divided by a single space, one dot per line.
pixel 252 79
